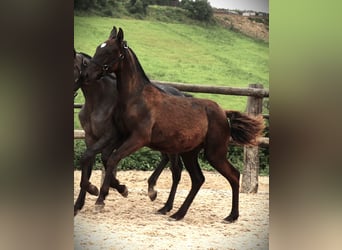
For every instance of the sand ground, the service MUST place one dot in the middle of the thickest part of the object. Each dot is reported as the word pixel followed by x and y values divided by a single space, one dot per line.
pixel 132 222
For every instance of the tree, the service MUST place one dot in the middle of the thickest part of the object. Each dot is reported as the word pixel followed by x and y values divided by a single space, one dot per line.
pixel 138 6
pixel 84 4
pixel 165 2
pixel 198 9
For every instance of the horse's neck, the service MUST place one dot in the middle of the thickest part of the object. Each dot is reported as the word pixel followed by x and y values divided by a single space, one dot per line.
pixel 131 80
pixel 97 93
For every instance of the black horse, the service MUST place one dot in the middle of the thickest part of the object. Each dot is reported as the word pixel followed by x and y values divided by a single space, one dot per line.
pixel 96 120
pixel 101 133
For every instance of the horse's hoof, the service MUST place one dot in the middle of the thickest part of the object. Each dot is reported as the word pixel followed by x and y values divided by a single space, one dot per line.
pixel 163 210
pixel 230 219
pixel 177 216
pixel 152 194
pixel 76 212
pixel 93 190
pixel 99 208
pixel 125 192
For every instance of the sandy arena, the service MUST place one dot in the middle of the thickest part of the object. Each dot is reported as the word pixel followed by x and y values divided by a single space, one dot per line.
pixel 132 223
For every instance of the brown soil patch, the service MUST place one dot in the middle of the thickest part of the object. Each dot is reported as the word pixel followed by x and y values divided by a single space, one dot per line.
pixel 131 223
pixel 244 25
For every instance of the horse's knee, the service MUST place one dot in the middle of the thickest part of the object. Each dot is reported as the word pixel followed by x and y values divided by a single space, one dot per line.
pixel 87 157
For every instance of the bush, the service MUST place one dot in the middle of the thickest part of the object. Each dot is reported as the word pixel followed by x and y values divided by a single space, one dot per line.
pixel 198 9
pixel 138 6
pixel 84 4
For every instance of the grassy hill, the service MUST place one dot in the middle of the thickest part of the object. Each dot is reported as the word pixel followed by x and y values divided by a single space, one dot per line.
pixel 187 53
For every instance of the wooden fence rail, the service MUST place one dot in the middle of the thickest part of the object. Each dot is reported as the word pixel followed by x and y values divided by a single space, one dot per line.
pixel 255 94
pixel 251 91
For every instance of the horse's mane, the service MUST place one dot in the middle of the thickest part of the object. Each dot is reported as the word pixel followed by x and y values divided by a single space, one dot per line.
pixel 147 80
pixel 139 66
pixel 85 55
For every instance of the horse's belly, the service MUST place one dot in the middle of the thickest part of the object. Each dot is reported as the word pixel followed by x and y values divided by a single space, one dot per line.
pixel 177 140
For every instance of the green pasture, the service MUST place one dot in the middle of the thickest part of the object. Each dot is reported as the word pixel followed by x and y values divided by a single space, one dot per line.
pixel 210 55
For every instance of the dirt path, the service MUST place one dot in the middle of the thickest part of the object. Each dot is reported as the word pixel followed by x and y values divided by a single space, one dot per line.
pixel 131 223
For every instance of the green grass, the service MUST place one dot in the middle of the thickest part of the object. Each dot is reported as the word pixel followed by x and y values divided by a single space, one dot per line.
pixel 187 53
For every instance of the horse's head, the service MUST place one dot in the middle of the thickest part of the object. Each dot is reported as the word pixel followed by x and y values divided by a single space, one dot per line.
pixel 108 55
pixel 81 62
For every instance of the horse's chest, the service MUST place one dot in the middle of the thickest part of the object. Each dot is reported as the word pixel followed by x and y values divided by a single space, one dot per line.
pixel 134 115
pixel 95 123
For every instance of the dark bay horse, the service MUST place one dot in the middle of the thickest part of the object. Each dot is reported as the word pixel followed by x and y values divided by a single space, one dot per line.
pixel 101 134
pixel 193 123
pixel 96 120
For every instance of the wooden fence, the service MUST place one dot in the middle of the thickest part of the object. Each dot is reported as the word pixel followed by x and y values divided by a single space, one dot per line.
pixel 255 94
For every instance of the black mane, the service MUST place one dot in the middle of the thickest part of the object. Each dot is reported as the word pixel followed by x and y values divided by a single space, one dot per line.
pixel 147 80
pixel 85 55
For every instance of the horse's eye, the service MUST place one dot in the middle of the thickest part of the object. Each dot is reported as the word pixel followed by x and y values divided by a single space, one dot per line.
pixel 85 63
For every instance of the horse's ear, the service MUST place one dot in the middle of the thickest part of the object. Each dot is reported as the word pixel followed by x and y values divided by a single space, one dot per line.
pixel 74 53
pixel 120 36
pixel 112 34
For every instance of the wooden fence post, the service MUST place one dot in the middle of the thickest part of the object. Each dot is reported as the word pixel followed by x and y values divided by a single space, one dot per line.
pixel 250 173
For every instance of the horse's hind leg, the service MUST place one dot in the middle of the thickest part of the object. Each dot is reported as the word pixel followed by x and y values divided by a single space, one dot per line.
pixel 122 189
pixel 197 179
pixel 176 169
pixel 217 158
pixel 155 175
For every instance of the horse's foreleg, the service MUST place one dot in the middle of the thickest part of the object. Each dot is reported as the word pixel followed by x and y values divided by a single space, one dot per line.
pixel 105 154
pixel 81 196
pixel 132 144
pixel 86 162
pixel 155 175
pixel 122 189
pixel 176 169
pixel 197 179
pixel 80 201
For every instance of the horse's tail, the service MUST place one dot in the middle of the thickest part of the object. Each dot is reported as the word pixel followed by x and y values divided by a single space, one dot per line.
pixel 245 129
